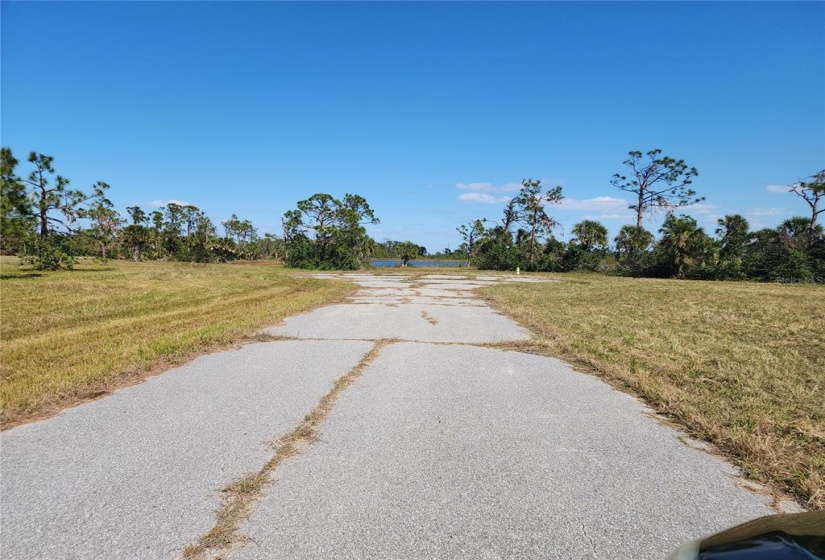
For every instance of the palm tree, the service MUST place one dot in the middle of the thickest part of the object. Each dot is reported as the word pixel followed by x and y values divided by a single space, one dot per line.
pixel 733 232
pixel 797 233
pixel 632 240
pixel 590 234
pixel 406 251
pixel 632 245
pixel 683 243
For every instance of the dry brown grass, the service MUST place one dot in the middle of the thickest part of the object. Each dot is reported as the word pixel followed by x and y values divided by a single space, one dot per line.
pixel 741 365
pixel 241 494
pixel 429 318
pixel 70 336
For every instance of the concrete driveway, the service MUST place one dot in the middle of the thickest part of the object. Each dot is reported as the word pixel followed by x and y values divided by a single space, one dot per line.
pixel 441 448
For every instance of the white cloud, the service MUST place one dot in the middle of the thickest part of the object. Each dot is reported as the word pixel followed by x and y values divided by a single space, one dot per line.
pixel 488 187
pixel 766 212
pixel 482 198
pixel 598 204
pixel 159 203
pixel 778 189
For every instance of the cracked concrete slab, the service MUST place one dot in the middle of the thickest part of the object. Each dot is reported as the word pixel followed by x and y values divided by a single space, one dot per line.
pixel 434 292
pixel 465 282
pixel 383 284
pixel 377 321
pixel 421 300
pixel 464 452
pixel 139 473
pixel 386 292
pixel 439 450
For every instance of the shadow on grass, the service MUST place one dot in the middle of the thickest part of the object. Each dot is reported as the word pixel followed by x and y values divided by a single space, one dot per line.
pixel 20 275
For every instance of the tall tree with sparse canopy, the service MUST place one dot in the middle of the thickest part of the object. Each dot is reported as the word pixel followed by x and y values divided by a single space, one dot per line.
pixel 531 202
pixel 242 233
pixel 54 209
pixel 812 192
pixel 55 197
pixel 16 219
pixel 471 233
pixel 105 219
pixel 658 183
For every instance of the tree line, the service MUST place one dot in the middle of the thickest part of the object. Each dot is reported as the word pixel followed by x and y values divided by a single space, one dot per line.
pixel 49 223
pixel 523 236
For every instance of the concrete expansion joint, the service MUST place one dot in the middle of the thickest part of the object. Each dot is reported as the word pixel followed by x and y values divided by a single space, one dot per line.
pixel 240 495
pixel 503 345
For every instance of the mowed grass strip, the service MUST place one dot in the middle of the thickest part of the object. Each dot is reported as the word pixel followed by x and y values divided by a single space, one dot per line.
pixel 741 365
pixel 68 336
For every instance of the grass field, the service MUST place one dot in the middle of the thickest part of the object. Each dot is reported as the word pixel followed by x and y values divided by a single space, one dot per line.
pixel 69 336
pixel 741 365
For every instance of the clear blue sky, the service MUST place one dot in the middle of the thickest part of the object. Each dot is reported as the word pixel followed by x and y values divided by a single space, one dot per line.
pixel 247 108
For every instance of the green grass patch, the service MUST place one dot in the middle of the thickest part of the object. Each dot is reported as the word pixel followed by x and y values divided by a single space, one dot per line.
pixel 741 365
pixel 68 336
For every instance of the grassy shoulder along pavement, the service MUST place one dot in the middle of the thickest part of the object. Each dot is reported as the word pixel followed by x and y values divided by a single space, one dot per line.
pixel 70 336
pixel 739 364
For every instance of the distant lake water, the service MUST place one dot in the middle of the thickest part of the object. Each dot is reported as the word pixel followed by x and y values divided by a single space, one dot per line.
pixel 450 264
